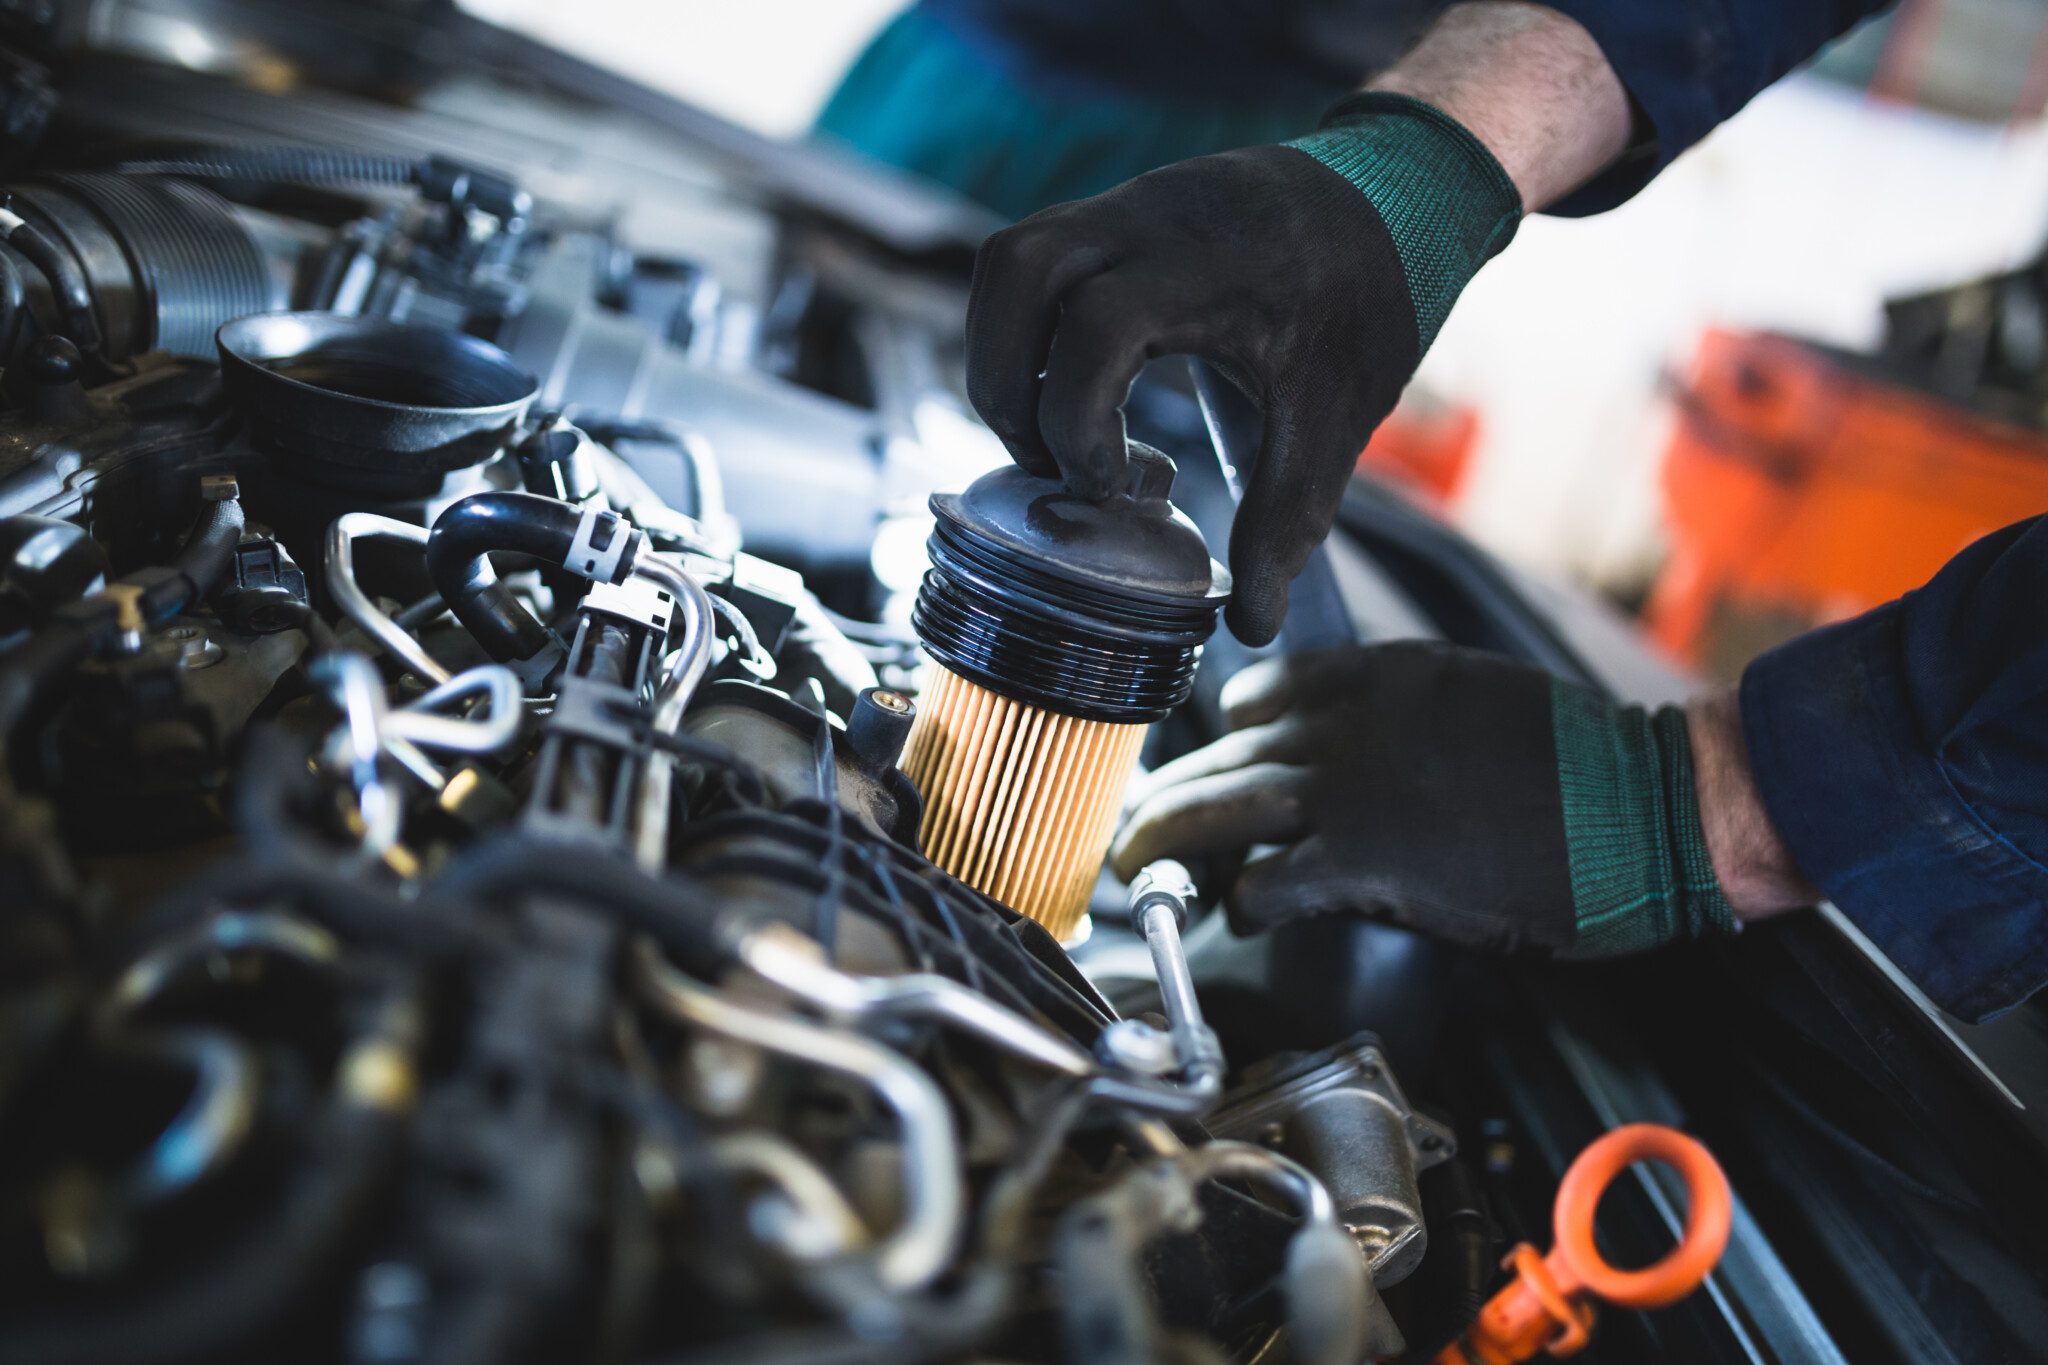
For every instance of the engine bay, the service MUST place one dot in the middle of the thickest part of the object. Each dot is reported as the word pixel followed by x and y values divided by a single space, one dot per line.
pixel 468 895
pixel 550 967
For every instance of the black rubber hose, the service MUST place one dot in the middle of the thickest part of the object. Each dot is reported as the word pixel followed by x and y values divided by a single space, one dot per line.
pixel 279 166
pixel 67 282
pixel 458 559
pixel 13 306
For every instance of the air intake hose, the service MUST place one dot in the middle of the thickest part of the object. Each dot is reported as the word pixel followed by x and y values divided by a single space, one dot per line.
pixel 138 265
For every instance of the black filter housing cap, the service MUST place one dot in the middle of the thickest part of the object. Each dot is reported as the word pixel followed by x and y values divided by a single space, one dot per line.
pixel 1089 608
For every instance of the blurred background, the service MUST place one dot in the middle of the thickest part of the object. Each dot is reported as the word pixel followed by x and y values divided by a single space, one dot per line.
pixel 1782 384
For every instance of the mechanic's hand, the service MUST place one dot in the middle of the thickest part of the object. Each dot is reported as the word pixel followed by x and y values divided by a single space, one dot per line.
pixel 1314 275
pixel 1446 789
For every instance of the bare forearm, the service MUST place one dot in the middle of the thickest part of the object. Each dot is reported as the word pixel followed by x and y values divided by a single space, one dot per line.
pixel 1529 83
pixel 1755 868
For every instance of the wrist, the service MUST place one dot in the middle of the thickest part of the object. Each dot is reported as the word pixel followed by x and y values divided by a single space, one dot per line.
pixel 1528 82
pixel 1757 872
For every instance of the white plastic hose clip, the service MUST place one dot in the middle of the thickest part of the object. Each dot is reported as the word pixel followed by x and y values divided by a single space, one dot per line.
pixel 585 558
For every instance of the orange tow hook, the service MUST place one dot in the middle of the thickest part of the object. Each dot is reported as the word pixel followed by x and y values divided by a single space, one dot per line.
pixel 1545 1307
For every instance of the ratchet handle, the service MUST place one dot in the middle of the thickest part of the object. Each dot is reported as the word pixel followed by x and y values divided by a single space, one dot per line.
pixel 1547 1306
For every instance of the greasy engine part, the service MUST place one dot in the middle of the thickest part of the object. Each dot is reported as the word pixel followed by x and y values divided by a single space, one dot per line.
pixel 1061 628
pixel 781 738
pixel 1340 1114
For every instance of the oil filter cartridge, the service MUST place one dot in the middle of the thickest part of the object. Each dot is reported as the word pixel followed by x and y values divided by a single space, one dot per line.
pixel 1060 628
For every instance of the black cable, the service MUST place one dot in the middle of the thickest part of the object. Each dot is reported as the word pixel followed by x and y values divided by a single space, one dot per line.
pixel 1031 985
pixel 803 874
pixel 900 912
pixel 313 166
pixel 217 1305
pixel 437 177
pixel 320 636
pixel 704 751
pixel 870 632
pixel 944 906
pixel 679 915
pixel 210 551
pixel 421 612
pixel 354 911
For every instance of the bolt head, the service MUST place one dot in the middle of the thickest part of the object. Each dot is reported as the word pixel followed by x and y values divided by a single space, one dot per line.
pixel 1134 1045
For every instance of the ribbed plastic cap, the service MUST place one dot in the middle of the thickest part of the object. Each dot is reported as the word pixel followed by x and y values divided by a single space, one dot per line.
pixel 1135 541
pixel 1090 609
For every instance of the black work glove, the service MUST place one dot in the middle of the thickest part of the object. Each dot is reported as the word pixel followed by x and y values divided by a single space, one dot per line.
pixel 1313 275
pixel 1446 789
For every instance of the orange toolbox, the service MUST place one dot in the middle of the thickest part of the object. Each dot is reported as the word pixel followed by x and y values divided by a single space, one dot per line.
pixel 1798 491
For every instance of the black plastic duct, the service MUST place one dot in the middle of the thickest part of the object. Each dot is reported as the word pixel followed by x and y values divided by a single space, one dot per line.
pixel 377 407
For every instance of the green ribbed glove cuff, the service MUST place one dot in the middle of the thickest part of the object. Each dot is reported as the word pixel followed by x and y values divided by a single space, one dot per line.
pixel 1640 873
pixel 1447 204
